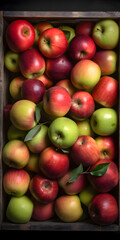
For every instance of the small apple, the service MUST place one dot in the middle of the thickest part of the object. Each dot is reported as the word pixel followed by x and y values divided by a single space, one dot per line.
pixel 15 87
pixel 84 27
pixel 84 128
pixel 46 81
pixel 107 147
pixel 15 133
pixel 87 194
pixel 69 32
pixel 11 61
pixel 66 83
pixel 39 28
pixel 33 163
pixel 42 212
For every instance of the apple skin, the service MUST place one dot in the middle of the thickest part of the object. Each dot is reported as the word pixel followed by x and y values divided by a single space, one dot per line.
pixel 53 164
pixel 15 133
pixel 46 81
pixel 33 90
pixel 12 61
pixel 87 194
pixel 56 101
pixel 106 91
pixel 71 31
pixel 19 210
pixel 104 121
pixel 103 209
pixel 106 182
pixel 33 163
pixel 85 74
pixel 41 27
pixel 15 154
pixel 66 83
pixel 82 47
pixel 107 61
pixel 42 212
pixel 107 147
pixel 82 105
pixel 31 63
pixel 106 34
pixel 68 208
pixel 15 87
pixel 43 189
pixel 22 114
pixel 84 128
pixel 84 27
pixel 85 150
pixel 20 35
pixel 6 113
pixel 52 43
pixel 16 182
pixel 63 132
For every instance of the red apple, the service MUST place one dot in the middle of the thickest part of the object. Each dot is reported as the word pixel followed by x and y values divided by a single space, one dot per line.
pixel 106 182
pixel 103 209
pixel 85 150
pixel 52 43
pixel 106 91
pixel 82 105
pixel 82 47
pixel 20 35
pixel 56 101
pixel 39 28
pixel 33 90
pixel 84 27
pixel 53 164
pixel 43 189
pixel 46 81
pixel 107 147
pixel 66 83
pixel 42 212
pixel 32 63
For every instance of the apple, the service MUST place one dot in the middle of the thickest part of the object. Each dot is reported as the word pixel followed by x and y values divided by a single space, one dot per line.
pixel 84 128
pixel 42 212
pixel 69 32
pixel 41 27
pixel 106 91
pixel 85 74
pixel 33 90
pixel 15 133
pixel 15 87
pixel 82 47
pixel 66 83
pixel 84 27
pixel 68 208
pixel 63 132
pixel 11 61
pixel 43 189
pixel 15 154
pixel 53 163
pixel 107 61
pixel 31 63
pixel 58 68
pixel 82 105
pixel 22 114
pixel 106 34
pixel 103 209
pixel 87 194
pixel 46 81
pixel 33 163
pixel 85 150
pixel 107 147
pixel 52 43
pixel 20 35
pixel 56 101
pixel 16 182
pixel 19 210
pixel 106 182
pixel 104 121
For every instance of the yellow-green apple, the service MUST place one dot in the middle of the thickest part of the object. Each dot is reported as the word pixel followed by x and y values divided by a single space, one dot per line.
pixel 56 101
pixel 69 32
pixel 16 154
pixel 107 61
pixel 106 91
pixel 40 141
pixel 85 74
pixel 52 43
pixel 63 132
pixel 104 121
pixel 87 194
pixel 53 163
pixel 42 212
pixel 46 81
pixel 82 47
pixel 31 63
pixel 106 33
pixel 107 147
pixel 82 105
pixel 103 209
pixel 22 114
pixel 43 189
pixel 66 83
pixel 84 27
pixel 33 163
pixel 68 208
pixel 19 209
pixel 15 133
pixel 11 61
pixel 16 182
pixel 58 68
pixel 84 128
pixel 72 188
pixel 85 150
pixel 20 35
pixel 15 87
pixel 41 27
pixel 106 182
pixel 33 90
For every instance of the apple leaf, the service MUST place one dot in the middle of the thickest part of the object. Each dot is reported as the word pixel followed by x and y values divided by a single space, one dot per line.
pixel 75 173
pixel 100 169
pixel 32 133
pixel 38 112
pixel 67 34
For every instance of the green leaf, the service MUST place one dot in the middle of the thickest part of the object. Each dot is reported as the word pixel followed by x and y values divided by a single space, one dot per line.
pixel 67 34
pixel 75 173
pixel 100 169
pixel 38 112
pixel 32 133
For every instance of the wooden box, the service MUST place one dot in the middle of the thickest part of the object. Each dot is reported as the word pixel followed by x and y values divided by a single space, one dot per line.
pixel 57 18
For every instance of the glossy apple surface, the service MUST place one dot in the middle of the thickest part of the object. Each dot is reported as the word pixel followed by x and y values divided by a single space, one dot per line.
pixel 84 27
pixel 39 28
pixel 84 128
pixel 46 81
pixel 87 194
pixel 33 163
pixel 107 147
pixel 15 87
pixel 12 61
pixel 42 212
pixel 66 83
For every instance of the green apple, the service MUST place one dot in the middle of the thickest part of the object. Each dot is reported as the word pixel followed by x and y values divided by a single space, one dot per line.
pixel 19 210
pixel 12 61
pixel 87 194
pixel 104 121
pixel 69 32
pixel 33 163
pixel 106 34
pixel 15 87
pixel 63 132
pixel 15 133
pixel 84 128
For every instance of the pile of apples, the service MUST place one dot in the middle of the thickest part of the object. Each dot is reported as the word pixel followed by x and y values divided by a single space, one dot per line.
pixel 60 156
